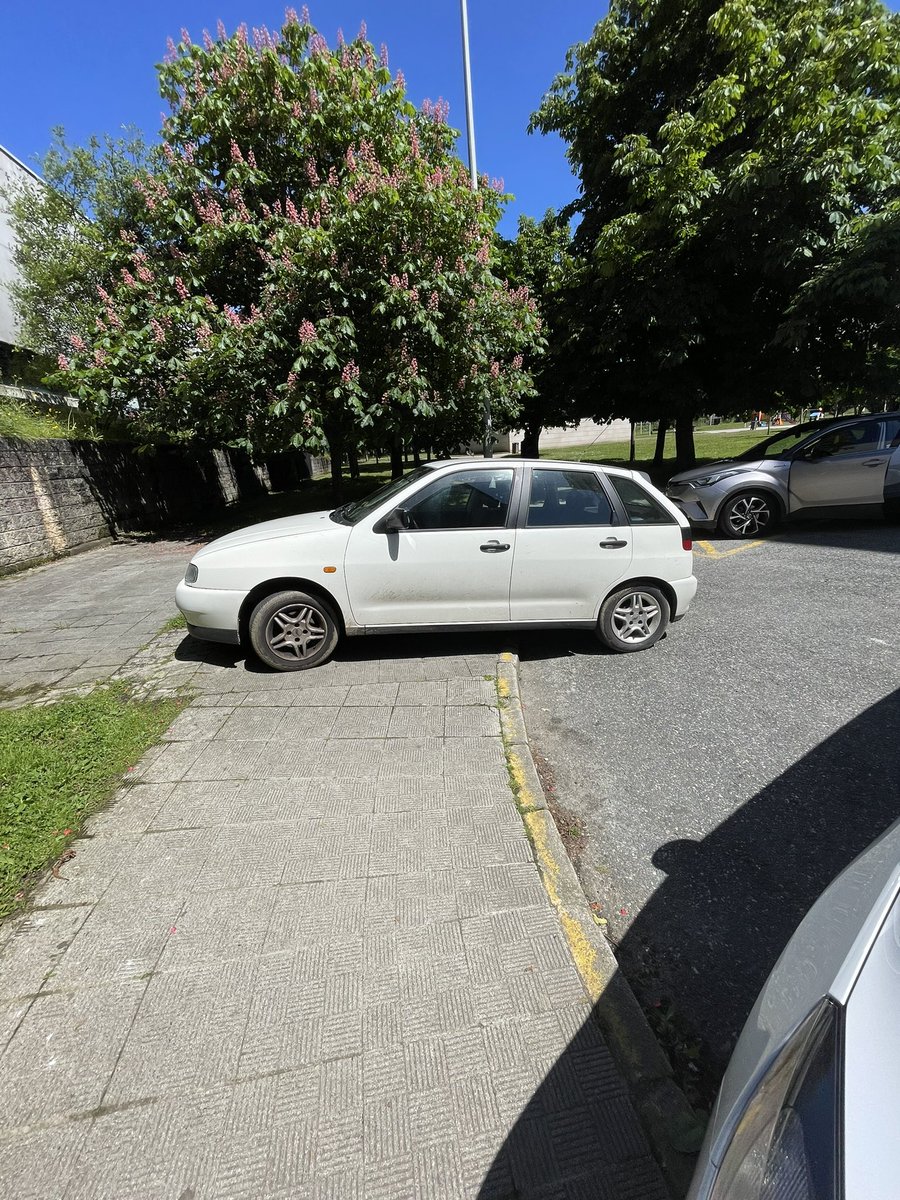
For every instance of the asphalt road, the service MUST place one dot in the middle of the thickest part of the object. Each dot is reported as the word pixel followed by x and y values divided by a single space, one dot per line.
pixel 724 777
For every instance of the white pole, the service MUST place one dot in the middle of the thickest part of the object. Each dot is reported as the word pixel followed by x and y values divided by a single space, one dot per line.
pixel 487 434
pixel 467 80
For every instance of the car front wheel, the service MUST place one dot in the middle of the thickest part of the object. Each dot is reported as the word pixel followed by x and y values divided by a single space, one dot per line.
pixel 633 618
pixel 292 631
pixel 747 515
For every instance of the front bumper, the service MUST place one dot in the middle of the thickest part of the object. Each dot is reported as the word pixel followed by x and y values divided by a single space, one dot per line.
pixel 699 508
pixel 211 614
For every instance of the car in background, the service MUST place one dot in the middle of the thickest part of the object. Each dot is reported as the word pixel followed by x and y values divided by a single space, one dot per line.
pixel 809 1107
pixel 456 545
pixel 849 466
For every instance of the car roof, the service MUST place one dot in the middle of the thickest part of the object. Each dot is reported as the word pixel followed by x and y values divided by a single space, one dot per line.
pixel 471 460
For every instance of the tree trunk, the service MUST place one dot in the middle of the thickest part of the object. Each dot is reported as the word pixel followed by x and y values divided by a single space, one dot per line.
pixel 531 441
pixel 660 452
pixel 353 460
pixel 417 457
pixel 684 442
pixel 335 438
pixel 396 458
pixel 631 441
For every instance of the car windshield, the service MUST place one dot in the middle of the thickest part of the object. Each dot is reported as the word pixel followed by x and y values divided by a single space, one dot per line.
pixel 349 514
pixel 780 443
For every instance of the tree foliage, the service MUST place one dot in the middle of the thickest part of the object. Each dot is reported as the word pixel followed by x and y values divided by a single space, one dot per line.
pixel 724 150
pixel 304 261
pixel 540 258
pixel 63 228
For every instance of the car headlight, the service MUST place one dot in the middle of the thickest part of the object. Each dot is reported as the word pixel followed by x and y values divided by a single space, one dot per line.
pixel 785 1144
pixel 708 479
pixel 190 575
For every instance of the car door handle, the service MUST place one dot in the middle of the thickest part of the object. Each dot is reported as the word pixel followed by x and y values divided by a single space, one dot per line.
pixel 873 462
pixel 495 547
pixel 612 544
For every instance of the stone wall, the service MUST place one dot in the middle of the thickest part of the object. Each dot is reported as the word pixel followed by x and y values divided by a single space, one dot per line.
pixel 60 496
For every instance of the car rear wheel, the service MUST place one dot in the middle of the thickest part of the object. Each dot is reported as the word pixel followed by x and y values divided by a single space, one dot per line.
pixel 633 618
pixel 748 515
pixel 292 631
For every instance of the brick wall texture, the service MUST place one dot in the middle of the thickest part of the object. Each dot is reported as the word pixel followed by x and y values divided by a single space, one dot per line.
pixel 59 496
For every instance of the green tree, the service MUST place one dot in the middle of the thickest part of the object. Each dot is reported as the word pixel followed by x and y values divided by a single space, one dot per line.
pixel 721 150
pixel 540 258
pixel 63 228
pixel 308 265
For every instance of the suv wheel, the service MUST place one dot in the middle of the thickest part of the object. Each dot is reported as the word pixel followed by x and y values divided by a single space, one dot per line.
pixel 748 515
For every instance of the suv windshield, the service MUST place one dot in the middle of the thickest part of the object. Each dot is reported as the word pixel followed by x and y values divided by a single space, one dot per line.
pixel 349 514
pixel 780 443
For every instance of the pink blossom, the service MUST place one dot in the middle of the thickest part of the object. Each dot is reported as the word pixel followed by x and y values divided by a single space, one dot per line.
pixel 207 39
pixel 340 36
pixel 103 294
pixel 232 315
pixel 495 370
pixel 363 32
pixel 77 341
pixel 292 379
pixel 251 158
pixel 171 50
pixel 312 173
pixel 304 15
pixel 483 255
pixel 62 362
pixel 99 356
pixel 159 334
pixel 185 36
pixel 317 45
pixel 384 55
pixel 350 372
pixel 181 288
pixel 306 332
pixel 350 158
pixel 432 302
pixel 414 366
pixel 203 334
pixel 497 184
pixel 220 30
pixel 236 156
pixel 290 16
pixel 400 81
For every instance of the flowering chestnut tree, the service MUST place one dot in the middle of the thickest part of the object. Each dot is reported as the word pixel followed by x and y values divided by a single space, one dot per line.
pixel 308 265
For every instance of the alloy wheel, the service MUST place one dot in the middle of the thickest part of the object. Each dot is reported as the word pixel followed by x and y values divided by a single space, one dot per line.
pixel 750 515
pixel 296 631
pixel 636 617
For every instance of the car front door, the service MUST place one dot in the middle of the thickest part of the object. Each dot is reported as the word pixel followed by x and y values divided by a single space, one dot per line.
pixel 450 566
pixel 844 466
pixel 571 550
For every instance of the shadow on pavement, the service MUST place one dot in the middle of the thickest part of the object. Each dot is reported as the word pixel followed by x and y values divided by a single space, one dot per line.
pixel 712 932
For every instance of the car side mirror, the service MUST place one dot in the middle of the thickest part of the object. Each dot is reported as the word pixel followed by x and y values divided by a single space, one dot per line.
pixel 395 521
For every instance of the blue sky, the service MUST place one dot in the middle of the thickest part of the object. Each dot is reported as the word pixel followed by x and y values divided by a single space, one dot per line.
pixel 89 65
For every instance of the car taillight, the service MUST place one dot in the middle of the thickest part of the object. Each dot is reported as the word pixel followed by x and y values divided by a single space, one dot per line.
pixel 785 1146
pixel 687 542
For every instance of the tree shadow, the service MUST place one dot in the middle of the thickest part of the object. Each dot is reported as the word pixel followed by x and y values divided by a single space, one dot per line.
pixel 708 937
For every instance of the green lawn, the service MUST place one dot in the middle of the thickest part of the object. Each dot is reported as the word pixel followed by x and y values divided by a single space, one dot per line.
pixel 58 764
pixel 710 444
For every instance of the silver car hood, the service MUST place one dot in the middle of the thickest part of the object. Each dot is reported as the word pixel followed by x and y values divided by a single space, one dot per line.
pixel 266 530
pixel 824 957
pixel 724 464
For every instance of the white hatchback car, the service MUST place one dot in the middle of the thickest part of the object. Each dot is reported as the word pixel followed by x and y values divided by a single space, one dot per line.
pixel 464 544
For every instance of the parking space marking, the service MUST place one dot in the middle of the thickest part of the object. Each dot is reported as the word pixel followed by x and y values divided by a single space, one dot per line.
pixel 710 551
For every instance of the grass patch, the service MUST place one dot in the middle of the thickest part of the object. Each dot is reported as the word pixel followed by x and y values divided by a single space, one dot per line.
pixel 173 623
pixel 58 764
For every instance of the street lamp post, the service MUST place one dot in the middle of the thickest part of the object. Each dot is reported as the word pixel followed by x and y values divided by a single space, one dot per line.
pixel 487 439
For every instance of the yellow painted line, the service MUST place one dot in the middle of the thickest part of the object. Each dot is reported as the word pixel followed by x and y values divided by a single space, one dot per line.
pixel 711 551
pixel 525 798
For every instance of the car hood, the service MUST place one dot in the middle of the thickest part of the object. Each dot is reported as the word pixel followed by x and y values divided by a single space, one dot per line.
pixel 267 530
pixel 723 464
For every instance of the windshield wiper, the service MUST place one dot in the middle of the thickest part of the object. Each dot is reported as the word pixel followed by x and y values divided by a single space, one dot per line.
pixel 340 515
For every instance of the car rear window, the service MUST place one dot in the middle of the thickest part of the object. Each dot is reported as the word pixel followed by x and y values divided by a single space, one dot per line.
pixel 641 507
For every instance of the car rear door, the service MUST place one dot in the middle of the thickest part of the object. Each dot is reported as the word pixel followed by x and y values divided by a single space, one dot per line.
pixel 571 547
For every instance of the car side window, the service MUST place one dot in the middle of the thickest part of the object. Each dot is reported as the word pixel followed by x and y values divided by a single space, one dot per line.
pixel 864 437
pixel 641 507
pixel 567 498
pixel 464 500
pixel 892 431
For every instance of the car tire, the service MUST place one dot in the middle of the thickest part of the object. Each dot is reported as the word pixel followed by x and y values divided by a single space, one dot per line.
pixel 892 511
pixel 633 618
pixel 293 631
pixel 749 514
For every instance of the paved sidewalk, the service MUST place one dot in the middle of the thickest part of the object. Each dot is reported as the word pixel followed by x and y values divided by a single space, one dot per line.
pixel 306 953
pixel 70 623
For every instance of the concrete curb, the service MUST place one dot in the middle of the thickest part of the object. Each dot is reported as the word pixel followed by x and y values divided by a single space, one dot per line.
pixel 668 1119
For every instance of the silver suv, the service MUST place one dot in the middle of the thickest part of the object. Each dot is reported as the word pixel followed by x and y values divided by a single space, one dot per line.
pixel 847 466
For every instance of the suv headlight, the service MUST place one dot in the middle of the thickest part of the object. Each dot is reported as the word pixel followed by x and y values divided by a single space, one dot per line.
pixel 190 575
pixel 708 479
pixel 784 1146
